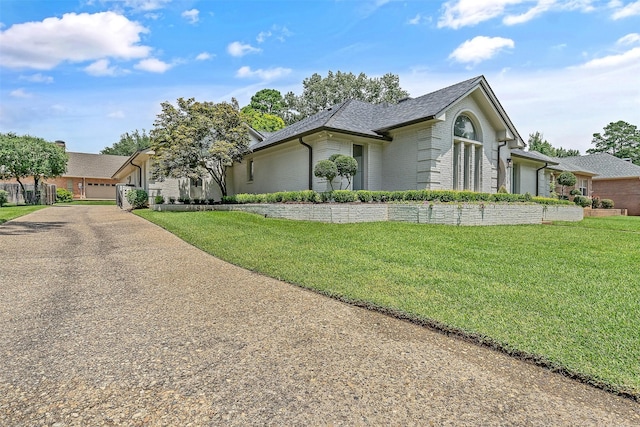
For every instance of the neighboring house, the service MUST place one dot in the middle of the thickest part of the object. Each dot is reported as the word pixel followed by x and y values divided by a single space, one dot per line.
pixel 616 179
pixel 88 176
pixel 456 138
pixel 584 176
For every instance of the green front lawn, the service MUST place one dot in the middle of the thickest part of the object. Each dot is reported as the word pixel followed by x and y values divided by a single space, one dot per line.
pixel 11 212
pixel 569 295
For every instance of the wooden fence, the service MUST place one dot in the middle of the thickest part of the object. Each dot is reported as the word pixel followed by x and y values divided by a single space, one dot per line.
pixel 15 196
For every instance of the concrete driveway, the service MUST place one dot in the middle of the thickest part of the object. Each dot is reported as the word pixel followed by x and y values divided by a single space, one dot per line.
pixel 106 319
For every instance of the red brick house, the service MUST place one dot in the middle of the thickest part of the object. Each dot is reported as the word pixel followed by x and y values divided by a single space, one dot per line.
pixel 88 175
pixel 616 179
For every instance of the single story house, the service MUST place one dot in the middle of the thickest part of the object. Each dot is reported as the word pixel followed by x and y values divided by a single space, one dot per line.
pixel 616 179
pixel 456 138
pixel 88 176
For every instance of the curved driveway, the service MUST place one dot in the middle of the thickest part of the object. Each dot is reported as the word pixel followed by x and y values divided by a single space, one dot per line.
pixel 106 319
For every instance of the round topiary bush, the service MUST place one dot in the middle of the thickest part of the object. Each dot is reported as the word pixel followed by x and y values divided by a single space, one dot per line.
pixel 326 169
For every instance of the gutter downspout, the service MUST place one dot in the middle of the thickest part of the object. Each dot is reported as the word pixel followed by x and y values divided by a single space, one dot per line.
pixel 538 178
pixel 310 162
pixel 505 178
pixel 139 172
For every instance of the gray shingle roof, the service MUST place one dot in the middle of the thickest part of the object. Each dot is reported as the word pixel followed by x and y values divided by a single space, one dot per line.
pixel 566 164
pixel 425 106
pixel 534 155
pixel 362 118
pixel 606 166
pixel 93 165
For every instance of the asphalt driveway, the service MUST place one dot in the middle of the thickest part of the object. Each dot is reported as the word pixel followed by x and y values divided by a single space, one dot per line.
pixel 106 319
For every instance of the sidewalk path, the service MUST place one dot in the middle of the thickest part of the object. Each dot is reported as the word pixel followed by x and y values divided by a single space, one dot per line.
pixel 106 319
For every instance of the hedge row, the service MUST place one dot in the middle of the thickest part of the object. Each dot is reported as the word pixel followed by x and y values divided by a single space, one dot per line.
pixel 364 196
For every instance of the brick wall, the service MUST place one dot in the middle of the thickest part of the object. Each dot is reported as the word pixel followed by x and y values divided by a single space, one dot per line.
pixel 625 193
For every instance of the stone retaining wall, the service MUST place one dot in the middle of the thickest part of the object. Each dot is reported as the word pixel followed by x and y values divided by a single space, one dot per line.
pixel 440 213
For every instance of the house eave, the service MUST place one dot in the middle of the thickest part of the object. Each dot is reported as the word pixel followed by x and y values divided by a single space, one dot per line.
pixel 323 129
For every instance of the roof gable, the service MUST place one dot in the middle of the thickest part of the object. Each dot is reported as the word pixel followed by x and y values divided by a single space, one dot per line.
pixel 375 120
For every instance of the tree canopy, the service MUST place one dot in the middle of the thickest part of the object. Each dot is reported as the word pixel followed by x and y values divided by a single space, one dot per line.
pixel 262 121
pixel 538 143
pixel 129 143
pixel 30 157
pixel 267 101
pixel 620 139
pixel 194 138
pixel 320 93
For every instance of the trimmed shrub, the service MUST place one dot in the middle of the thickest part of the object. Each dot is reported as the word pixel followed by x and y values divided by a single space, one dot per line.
pixel 582 201
pixel 606 203
pixel 63 195
pixel 595 202
pixel 229 200
pixel 549 201
pixel 158 200
pixel 4 198
pixel 364 196
pixel 344 196
pixel 137 198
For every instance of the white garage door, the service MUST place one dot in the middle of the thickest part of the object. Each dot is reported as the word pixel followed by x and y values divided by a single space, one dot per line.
pixel 100 191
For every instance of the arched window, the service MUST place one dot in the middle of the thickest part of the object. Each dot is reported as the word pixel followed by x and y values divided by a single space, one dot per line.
pixel 467 155
pixel 464 128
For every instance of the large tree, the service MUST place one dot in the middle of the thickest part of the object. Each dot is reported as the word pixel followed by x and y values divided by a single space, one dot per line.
pixel 538 143
pixel 620 139
pixel 194 138
pixel 323 92
pixel 268 101
pixel 262 121
pixel 30 157
pixel 129 143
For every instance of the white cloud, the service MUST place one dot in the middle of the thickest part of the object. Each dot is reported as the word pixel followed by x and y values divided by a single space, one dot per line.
pixel 540 8
pixel 191 15
pixel 269 74
pixel 239 49
pixel 465 13
pixel 480 48
pixel 617 60
pixel 20 93
pixel 152 65
pixel 415 20
pixel 629 39
pixel 74 38
pixel 204 56
pixel 37 78
pixel 145 5
pixel 263 36
pixel 101 68
pixel 632 9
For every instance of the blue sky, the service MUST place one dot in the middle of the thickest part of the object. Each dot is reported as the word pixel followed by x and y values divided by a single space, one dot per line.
pixel 87 71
